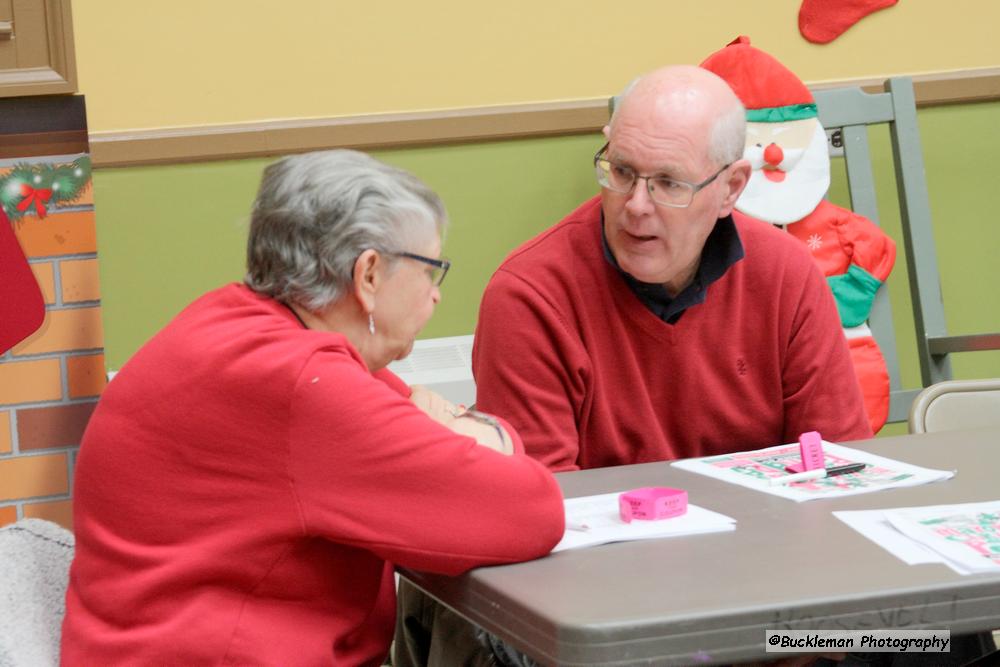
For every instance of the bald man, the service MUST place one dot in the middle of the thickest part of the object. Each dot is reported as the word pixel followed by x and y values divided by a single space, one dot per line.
pixel 653 322
pixel 656 323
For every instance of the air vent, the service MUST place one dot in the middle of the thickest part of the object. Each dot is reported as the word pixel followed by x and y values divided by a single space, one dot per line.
pixel 443 365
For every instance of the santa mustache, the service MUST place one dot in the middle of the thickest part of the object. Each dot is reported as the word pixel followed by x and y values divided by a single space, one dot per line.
pixel 755 155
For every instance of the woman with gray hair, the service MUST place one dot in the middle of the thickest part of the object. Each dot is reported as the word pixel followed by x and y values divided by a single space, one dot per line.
pixel 250 477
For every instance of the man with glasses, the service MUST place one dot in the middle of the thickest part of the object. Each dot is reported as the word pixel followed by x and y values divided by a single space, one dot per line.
pixel 653 323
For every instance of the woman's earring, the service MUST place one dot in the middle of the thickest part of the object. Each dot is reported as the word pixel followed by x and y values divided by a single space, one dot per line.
pixel 371 324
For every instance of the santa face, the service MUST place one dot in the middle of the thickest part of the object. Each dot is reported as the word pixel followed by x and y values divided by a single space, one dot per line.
pixel 791 170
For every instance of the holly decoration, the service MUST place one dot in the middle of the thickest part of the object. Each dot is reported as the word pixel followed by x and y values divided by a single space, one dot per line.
pixel 35 188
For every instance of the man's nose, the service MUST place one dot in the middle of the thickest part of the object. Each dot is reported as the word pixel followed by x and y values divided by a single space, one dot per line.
pixel 436 295
pixel 773 155
pixel 639 200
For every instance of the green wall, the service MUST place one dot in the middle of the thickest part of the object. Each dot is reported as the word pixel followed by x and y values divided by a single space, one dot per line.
pixel 167 234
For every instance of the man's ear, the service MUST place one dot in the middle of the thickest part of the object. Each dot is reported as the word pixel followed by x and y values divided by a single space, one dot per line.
pixel 735 180
pixel 368 268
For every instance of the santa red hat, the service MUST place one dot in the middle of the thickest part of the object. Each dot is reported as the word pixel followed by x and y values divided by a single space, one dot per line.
pixel 771 92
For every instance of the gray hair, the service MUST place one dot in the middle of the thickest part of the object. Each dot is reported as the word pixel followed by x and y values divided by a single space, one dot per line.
pixel 314 215
pixel 619 99
pixel 728 136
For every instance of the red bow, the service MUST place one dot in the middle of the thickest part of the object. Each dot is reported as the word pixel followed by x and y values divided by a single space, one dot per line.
pixel 37 197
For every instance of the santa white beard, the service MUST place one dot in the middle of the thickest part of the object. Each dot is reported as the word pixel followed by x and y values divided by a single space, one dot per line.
pixel 798 194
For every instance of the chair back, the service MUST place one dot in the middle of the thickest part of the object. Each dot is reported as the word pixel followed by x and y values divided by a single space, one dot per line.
pixel 36 555
pixel 956 404
pixel 848 113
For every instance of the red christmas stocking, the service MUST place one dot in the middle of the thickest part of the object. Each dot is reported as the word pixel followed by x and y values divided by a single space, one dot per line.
pixel 822 21
pixel 22 308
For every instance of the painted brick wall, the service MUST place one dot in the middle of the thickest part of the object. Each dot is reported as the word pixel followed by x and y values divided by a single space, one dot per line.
pixel 49 383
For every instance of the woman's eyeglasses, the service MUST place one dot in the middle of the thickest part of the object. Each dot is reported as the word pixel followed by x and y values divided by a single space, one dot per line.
pixel 440 270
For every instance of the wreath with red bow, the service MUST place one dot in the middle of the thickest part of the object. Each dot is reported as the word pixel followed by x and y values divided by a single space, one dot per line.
pixel 27 188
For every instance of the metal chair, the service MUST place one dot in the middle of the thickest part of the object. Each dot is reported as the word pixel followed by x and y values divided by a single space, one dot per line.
pixel 953 405
pixel 849 112
pixel 956 404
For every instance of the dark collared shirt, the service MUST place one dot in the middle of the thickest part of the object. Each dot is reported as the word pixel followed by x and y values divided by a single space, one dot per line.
pixel 722 249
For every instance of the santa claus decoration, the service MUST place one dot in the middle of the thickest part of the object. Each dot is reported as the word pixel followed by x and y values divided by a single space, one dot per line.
pixel 787 150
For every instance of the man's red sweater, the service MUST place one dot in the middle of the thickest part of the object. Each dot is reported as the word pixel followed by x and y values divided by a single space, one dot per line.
pixel 590 377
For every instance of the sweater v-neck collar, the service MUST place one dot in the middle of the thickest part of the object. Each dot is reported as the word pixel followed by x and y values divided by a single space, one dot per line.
pixel 723 248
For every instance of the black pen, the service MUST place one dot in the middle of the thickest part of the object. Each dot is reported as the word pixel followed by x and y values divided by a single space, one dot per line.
pixel 836 470
pixel 845 469
pixel 817 473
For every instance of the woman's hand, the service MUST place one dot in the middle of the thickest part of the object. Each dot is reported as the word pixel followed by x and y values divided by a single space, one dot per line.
pixel 435 405
pixel 458 420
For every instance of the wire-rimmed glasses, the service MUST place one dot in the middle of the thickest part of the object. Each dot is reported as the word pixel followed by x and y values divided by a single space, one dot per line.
pixel 663 190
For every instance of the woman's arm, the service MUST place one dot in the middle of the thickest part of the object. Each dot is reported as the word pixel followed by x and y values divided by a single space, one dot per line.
pixel 484 429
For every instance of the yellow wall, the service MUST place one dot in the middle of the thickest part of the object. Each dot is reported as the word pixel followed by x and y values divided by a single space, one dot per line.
pixel 199 62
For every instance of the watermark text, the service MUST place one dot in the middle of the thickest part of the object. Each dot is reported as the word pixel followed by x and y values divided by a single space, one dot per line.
pixel 867 641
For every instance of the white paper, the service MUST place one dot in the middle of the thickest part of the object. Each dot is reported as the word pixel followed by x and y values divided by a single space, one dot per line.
pixel 600 515
pixel 754 469
pixel 905 533
pixel 873 525
pixel 966 535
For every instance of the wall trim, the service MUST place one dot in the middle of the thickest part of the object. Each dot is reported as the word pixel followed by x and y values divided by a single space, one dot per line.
pixel 397 130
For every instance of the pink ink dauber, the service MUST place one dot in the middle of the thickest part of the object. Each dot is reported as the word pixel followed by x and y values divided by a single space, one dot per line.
pixel 810 451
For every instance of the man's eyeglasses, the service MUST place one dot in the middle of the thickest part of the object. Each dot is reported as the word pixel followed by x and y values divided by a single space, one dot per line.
pixel 439 271
pixel 662 190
